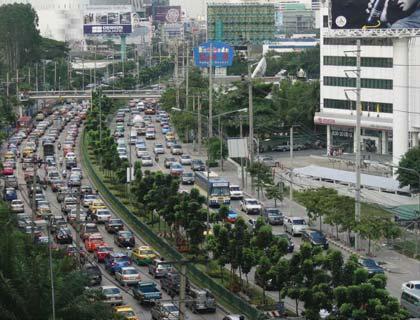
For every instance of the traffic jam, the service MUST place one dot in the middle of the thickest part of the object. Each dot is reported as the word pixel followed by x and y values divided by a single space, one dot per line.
pixel 54 202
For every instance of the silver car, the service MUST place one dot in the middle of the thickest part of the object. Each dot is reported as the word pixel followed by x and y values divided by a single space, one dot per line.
pixel 127 275
pixel 112 295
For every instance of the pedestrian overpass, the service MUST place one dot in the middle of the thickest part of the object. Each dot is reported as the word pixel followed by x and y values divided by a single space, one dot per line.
pixel 87 94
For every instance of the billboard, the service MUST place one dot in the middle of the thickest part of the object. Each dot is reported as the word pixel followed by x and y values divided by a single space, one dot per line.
pixel 375 14
pixel 107 20
pixel 222 55
pixel 168 14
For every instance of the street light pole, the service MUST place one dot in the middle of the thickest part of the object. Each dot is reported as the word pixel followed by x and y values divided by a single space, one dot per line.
pixel 251 109
pixel 210 130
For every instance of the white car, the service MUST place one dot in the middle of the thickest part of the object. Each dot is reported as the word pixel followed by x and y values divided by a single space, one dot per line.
pixel 140 154
pixel 77 171
pixel 146 161
pixel 159 149
pixel 70 156
pixel 185 160
pixel 251 206
pixel 123 155
pixel 101 215
pixel 294 225
pixel 87 199
pixel 17 206
pixel 235 192
pixel 150 135
pixel 127 275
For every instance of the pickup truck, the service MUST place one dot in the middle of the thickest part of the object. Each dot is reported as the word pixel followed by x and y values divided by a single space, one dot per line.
pixel 146 293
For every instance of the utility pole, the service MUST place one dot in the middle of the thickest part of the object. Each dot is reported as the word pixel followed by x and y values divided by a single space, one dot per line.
pixel 94 70
pixel 221 142
pixel 51 269
pixel 55 75
pixel 78 223
pixel 7 83
pixel 251 109
pixel 357 208
pixel 83 67
pixel 186 78
pixel 291 164
pixel 176 74
pixel 29 76
pixel 210 131
pixel 199 124
pixel 36 76
pixel 33 203
pixel 241 135
pixel 182 290
pixel 43 77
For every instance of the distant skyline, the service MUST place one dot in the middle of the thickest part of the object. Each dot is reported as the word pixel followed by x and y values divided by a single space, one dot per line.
pixel 194 8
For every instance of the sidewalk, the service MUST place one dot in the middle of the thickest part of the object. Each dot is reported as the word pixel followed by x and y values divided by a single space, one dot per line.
pixel 399 267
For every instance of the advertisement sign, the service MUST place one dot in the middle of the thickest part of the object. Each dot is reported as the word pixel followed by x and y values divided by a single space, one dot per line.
pixel 222 55
pixel 375 14
pixel 107 20
pixel 169 14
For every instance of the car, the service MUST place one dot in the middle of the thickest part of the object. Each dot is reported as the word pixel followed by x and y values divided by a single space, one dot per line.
pixel 294 225
pixel 168 161
pixel 17 206
pixel 158 148
pixel 281 148
pixel 176 169
pixel 185 160
pixel 158 268
pixel 11 182
pixel 251 206
pixel 143 255
pixel 114 225
pixel 146 161
pixel 87 199
pixel 112 295
pixel 411 285
pixel 10 194
pixel 141 153
pixel 127 275
pixel 124 239
pixel 273 216
pixel 63 236
pixel 266 160
pixel 315 238
pixel 235 192
pixel 93 273
pixel 165 311
pixel 100 215
pixel 371 266
pixel 232 216
pixel 176 149
pixel 74 181
pixel 187 178
pixel 234 317
pixel 125 312
pixel 170 143
pixel 150 135
pixel 95 205
pixel 72 216
pixel 93 241
pixel 8 171
pixel 56 222
pixel 284 236
pixel 101 251
pixel 197 165
pixel 88 229
pixel 166 128
pixel 116 260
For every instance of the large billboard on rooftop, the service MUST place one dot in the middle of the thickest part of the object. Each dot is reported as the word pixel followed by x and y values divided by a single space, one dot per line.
pixel 375 14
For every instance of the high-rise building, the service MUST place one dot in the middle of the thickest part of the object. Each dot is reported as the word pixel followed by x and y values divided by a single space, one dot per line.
pixel 238 23
pixel 390 94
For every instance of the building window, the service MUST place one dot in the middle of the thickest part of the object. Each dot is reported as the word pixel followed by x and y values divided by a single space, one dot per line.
pixel 351 105
pixel 364 42
pixel 325 21
pixel 365 83
pixel 365 61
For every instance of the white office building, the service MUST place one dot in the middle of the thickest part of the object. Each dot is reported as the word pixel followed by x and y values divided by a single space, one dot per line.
pixel 390 95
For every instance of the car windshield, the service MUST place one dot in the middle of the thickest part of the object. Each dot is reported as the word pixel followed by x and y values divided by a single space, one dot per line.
pixel 371 263
pixel 115 221
pixel 121 259
pixel 146 251
pixel 235 189
pixel 273 212
pixel 252 202
pixel 130 271
pixel 176 166
pixel 105 249
pixel 299 221
pixel 91 229
pixel 107 291
pixel 126 234
pixel 127 314
pixel 220 191
pixel 188 174
pixel 317 236
pixel 159 146
pixel 171 308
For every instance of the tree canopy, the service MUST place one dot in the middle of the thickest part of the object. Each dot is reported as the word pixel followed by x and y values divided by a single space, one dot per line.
pixel 410 161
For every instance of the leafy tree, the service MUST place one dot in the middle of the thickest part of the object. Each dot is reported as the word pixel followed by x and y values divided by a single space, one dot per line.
pixel 261 174
pixel 223 212
pixel 274 192
pixel 248 261
pixel 410 160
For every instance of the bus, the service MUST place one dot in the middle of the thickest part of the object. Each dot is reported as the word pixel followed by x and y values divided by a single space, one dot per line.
pixel 49 149
pixel 410 300
pixel 215 187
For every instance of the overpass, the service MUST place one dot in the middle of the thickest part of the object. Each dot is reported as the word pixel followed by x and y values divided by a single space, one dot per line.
pixel 87 94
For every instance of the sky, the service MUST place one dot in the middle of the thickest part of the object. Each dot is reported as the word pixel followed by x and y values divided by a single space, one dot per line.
pixel 193 7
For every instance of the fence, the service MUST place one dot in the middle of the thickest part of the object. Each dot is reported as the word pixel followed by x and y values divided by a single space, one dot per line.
pixel 223 295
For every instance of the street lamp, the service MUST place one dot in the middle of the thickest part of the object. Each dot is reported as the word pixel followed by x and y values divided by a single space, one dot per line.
pixel 208 137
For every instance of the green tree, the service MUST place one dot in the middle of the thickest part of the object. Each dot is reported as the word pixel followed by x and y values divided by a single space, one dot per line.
pixel 410 160
pixel 274 192
pixel 261 174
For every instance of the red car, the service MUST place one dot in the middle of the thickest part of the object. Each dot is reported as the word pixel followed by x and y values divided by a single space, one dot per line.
pixel 93 241
pixel 102 251
pixel 8 171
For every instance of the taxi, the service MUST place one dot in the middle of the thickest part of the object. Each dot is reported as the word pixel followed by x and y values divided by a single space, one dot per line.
pixel 170 136
pixel 126 312
pixel 93 241
pixel 27 152
pixel 9 155
pixel 143 255
pixel 95 205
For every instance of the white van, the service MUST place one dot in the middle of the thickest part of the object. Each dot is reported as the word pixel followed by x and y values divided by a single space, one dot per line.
pixel 133 136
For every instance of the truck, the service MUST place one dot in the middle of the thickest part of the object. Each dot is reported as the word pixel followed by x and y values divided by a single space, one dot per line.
pixel 146 293
pixel 201 300
pixel 49 149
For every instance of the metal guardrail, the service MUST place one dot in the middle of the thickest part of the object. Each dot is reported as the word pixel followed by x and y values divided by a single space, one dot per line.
pixel 88 93
pixel 223 295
